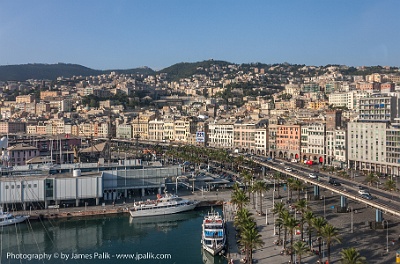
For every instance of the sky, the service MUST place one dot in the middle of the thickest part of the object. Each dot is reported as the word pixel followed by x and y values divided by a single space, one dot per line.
pixel 124 34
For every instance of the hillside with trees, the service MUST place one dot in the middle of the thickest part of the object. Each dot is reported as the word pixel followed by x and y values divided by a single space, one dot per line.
pixel 41 71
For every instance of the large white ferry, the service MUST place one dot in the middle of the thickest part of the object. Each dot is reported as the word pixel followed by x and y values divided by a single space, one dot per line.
pixel 9 219
pixel 164 205
pixel 213 234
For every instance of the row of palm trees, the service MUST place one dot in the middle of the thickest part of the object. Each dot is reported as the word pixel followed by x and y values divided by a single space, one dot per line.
pixel 288 221
pixel 250 239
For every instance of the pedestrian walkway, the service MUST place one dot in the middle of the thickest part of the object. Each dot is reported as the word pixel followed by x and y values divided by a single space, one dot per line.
pixel 370 243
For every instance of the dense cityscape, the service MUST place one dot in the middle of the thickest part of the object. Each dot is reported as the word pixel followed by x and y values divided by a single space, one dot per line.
pixel 337 116
pixel 116 137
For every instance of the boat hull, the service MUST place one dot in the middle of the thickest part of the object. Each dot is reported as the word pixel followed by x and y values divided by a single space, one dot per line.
pixel 15 220
pixel 162 211
pixel 213 251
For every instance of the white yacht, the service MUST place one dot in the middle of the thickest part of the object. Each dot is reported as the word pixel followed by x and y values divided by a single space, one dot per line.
pixel 163 205
pixel 213 233
pixel 9 219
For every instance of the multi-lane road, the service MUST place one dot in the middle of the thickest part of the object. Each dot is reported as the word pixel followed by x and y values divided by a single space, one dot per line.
pixel 383 200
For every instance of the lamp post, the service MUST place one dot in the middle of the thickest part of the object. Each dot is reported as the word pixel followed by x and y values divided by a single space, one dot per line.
pixel 351 219
pixel 387 233
pixel 324 208
pixel 266 211
pixel 273 207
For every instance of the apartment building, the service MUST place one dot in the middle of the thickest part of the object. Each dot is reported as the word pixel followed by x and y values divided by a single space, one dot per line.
pixel 221 134
pixel 250 136
pixel 366 144
pixel 124 131
pixel 379 108
pixel 184 127
pixel 24 99
pixel 336 148
pixel 288 141
pixel 48 94
pixel 350 99
pixel 368 86
pixel 313 142
pixel 8 127
pixel 272 130
pixel 310 87
pixel 156 130
pixel 20 153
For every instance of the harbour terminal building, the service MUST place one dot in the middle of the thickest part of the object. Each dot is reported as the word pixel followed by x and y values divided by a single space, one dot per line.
pixel 81 184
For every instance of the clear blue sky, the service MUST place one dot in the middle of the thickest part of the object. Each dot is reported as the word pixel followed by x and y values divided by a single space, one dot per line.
pixel 118 34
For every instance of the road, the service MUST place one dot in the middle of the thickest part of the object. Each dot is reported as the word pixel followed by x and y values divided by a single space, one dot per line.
pixel 384 201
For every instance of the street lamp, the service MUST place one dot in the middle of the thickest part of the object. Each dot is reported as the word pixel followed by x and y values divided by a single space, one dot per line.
pixel 351 219
pixel 387 233
pixel 324 208
pixel 266 211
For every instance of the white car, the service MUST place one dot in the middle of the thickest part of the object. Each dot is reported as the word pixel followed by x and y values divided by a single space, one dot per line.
pixel 288 169
pixel 312 176
pixel 363 192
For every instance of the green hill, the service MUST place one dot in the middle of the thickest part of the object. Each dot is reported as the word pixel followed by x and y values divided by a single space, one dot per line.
pixel 187 69
pixel 52 71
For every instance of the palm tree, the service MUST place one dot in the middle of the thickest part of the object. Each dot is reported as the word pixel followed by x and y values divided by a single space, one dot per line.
pixel 243 218
pixel 318 223
pixel 247 178
pixel 277 176
pixel 253 194
pixel 278 208
pixel 298 186
pixel 250 238
pixel 279 225
pixel 302 207
pixel 351 256
pixel 300 248
pixel 308 217
pixel 330 234
pixel 390 185
pixel 239 198
pixel 260 187
pixel 371 179
pixel 284 217
pixel 290 182
pixel 291 223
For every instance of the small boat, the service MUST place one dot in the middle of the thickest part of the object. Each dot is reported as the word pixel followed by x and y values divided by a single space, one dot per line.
pixel 213 233
pixel 163 205
pixel 9 219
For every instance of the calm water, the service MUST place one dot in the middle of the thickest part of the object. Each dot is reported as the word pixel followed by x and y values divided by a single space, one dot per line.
pixel 105 239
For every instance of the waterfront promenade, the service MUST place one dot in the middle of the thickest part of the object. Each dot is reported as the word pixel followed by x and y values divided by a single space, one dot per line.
pixel 370 243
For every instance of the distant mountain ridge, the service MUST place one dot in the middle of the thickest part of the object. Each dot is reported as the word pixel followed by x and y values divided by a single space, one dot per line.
pixel 41 71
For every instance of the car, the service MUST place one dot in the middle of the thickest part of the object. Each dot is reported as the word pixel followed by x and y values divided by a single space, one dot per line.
pixel 334 182
pixel 282 163
pixel 366 196
pixel 312 176
pixel 288 169
pixel 363 192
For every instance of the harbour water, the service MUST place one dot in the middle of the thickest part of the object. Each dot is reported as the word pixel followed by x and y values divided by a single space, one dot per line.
pixel 108 239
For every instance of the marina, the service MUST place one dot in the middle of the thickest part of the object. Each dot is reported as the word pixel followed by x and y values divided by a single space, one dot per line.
pixel 111 234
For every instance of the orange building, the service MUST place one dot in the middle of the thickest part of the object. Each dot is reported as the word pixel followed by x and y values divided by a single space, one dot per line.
pixel 288 141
